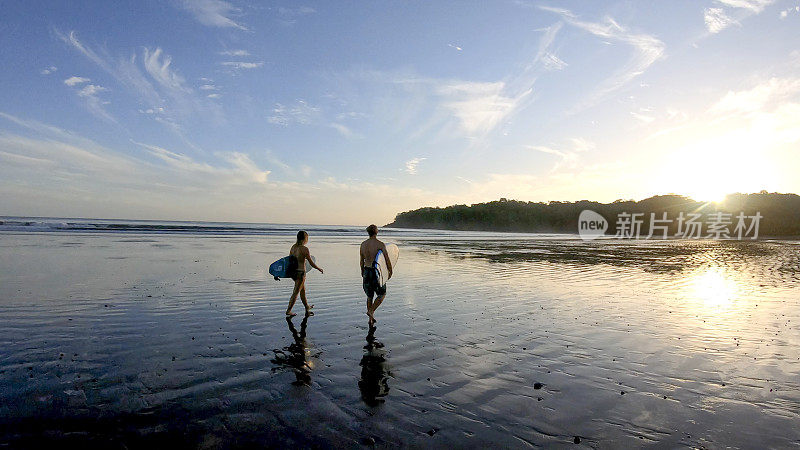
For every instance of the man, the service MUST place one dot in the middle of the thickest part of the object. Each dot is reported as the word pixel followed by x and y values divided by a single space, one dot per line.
pixel 369 274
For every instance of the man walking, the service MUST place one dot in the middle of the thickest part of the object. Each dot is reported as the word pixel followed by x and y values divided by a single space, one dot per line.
pixel 369 274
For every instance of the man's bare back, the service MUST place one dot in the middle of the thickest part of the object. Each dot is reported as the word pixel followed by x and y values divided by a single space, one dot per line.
pixel 369 249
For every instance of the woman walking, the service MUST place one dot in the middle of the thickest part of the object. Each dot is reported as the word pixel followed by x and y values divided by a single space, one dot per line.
pixel 300 255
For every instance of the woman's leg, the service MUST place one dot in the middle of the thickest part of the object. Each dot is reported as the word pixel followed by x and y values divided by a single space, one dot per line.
pixel 298 285
pixel 304 299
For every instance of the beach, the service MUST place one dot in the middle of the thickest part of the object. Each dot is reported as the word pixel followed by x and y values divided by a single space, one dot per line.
pixel 127 336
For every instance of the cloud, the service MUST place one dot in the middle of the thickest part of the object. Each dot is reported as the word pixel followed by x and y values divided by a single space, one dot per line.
pixel 343 130
pixel 48 70
pixel 544 55
pixel 235 53
pixel 299 113
pixel 299 11
pixel 455 47
pixel 552 62
pixel 785 13
pixel 72 81
pixel 644 118
pixel 215 95
pixel 755 6
pixel 716 20
pixel 213 13
pixel 647 50
pixel 155 83
pixel 89 94
pixel 159 69
pixel 569 154
pixel 411 165
pixel 479 106
pixel 760 96
pixel 239 65
pixel 208 87
pixel 54 172
pixel 90 90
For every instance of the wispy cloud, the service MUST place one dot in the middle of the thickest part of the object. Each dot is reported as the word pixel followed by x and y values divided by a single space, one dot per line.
pixel 785 13
pixel 72 81
pixel 79 176
pixel 298 11
pixel 647 50
pixel 299 113
pixel 479 107
pixel 569 154
pixel 411 165
pixel 241 168
pixel 545 55
pixel 731 12
pixel 159 69
pixel 213 13
pixel 344 130
pixel 755 99
pixel 755 6
pixel 642 116
pixel 455 47
pixel 89 93
pixel 48 70
pixel 239 65
pixel 717 20
pixel 235 53
pixel 153 80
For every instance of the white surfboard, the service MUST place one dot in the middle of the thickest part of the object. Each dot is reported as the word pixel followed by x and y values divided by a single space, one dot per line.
pixel 380 262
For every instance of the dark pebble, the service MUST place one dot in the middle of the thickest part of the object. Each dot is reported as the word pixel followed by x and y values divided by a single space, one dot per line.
pixel 621 392
pixel 368 441
pixel 432 431
pixel 537 385
pixel 577 440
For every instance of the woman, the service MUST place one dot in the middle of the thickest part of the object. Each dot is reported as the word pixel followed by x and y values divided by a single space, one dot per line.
pixel 301 254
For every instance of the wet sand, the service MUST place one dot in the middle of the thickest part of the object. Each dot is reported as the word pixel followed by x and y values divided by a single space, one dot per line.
pixel 113 340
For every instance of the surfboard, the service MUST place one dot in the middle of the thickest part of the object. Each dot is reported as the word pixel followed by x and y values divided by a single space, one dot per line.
pixel 380 262
pixel 279 268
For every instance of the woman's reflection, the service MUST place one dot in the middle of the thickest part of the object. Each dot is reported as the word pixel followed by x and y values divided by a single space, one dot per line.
pixel 296 355
pixel 374 383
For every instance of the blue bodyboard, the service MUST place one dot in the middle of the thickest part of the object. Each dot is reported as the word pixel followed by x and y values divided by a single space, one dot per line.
pixel 284 267
pixel 279 268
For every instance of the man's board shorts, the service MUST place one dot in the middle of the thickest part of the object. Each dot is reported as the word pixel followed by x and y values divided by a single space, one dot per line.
pixel 369 277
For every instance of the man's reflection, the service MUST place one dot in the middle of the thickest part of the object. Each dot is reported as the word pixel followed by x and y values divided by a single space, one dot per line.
pixel 296 355
pixel 374 383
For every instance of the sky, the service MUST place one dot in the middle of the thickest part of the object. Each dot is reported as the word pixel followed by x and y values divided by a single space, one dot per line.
pixel 351 112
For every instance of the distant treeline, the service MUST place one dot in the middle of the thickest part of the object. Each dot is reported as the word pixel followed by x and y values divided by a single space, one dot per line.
pixel 780 214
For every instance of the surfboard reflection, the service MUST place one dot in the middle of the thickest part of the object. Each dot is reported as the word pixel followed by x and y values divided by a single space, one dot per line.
pixel 296 356
pixel 375 373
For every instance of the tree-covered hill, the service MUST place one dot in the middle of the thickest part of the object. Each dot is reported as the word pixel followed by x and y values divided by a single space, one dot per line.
pixel 780 213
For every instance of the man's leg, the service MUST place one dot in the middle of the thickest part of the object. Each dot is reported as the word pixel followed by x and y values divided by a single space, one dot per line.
pixel 377 303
